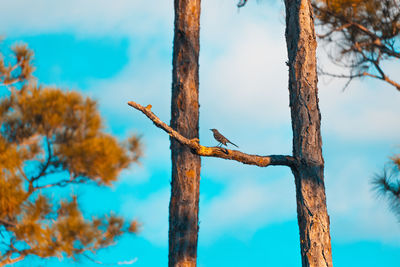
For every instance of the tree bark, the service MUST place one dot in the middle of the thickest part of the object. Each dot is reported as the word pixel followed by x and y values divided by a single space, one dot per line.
pixel 185 184
pixel 313 219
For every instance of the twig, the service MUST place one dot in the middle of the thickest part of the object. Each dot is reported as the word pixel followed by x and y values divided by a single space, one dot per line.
pixel 7 223
pixel 48 161
pixel 61 183
pixel 12 261
pixel 11 82
pixel 333 30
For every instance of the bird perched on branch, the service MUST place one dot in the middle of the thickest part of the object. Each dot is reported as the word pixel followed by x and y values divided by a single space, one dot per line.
pixel 220 138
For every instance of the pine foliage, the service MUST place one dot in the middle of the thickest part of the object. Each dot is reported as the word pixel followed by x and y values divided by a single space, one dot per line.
pixel 360 35
pixel 51 138
pixel 388 184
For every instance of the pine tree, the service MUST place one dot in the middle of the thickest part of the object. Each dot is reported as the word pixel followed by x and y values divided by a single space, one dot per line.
pixel 51 139
pixel 360 36
pixel 185 181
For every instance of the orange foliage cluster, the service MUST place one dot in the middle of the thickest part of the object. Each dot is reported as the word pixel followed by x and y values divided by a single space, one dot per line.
pixel 361 34
pixel 52 138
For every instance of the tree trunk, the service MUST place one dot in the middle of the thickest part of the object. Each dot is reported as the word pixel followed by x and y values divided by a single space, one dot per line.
pixel 185 184
pixel 313 219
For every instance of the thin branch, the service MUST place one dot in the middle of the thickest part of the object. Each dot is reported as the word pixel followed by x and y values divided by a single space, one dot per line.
pixel 352 23
pixel 375 63
pixel 390 81
pixel 30 140
pixel 342 76
pixel 384 76
pixel 12 261
pixel 22 254
pixel 350 77
pixel 218 152
pixel 7 223
pixel 371 75
pixel 363 29
pixel 23 174
pixel 10 82
pixel 334 30
pixel 377 39
pixel 61 183
pixel 48 161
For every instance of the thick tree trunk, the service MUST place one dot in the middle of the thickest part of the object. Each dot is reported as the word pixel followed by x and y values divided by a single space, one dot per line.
pixel 184 204
pixel 313 219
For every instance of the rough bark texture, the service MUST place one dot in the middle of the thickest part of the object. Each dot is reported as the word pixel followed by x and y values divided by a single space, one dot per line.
pixel 312 213
pixel 184 204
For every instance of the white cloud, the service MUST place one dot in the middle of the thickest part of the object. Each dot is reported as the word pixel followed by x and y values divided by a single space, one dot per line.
pixel 137 174
pixel 85 17
pixel 360 112
pixel 355 211
pixel 243 75
pixel 367 110
pixel 245 206
pixel 247 80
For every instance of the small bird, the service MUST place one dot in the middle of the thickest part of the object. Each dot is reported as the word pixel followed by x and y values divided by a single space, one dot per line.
pixel 220 138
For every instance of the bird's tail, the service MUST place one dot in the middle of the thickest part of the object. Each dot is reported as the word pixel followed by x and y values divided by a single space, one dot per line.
pixel 233 144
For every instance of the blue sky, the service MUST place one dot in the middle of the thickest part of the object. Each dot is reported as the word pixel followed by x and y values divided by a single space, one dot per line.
pixel 122 50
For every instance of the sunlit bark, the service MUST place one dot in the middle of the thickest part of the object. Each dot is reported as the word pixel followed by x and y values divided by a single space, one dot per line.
pixel 185 183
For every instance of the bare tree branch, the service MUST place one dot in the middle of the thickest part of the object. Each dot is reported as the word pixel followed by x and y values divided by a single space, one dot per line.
pixel 7 223
pixel 61 183
pixel 350 77
pixel 384 77
pixel 23 174
pixel 334 30
pixel 366 38
pixel 48 161
pixel 217 152
pixel 14 260
pixel 12 81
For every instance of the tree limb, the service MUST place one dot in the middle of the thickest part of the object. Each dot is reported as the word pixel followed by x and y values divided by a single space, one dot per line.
pixel 61 183
pixel 384 77
pixel 48 161
pixel 374 62
pixel 217 152
pixel 334 30
pixel 13 260
pixel 362 38
pixel 12 81
pixel 7 223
